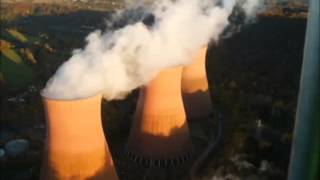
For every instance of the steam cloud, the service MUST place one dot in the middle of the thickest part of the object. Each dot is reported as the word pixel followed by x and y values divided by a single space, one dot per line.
pixel 116 62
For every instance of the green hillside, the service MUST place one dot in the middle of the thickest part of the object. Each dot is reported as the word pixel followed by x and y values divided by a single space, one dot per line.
pixel 14 70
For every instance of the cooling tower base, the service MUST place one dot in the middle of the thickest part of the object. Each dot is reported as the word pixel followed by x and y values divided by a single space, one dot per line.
pixel 152 162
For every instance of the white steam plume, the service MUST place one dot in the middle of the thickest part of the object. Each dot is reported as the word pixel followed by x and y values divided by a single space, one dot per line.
pixel 114 63
pixel 251 7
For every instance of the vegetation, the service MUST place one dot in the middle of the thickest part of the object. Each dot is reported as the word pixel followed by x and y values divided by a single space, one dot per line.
pixel 12 10
pixel 17 35
pixel 17 57
pixel 15 74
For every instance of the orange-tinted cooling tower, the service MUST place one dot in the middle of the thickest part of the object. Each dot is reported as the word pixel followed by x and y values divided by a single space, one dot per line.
pixel 195 92
pixel 76 147
pixel 159 132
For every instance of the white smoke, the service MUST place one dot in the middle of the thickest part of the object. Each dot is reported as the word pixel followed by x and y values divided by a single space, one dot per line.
pixel 251 7
pixel 114 63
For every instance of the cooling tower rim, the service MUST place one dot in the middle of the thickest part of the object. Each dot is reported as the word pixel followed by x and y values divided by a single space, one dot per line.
pixel 43 96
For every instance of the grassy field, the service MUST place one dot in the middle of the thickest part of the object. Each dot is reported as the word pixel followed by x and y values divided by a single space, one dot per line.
pixel 16 73
pixel 17 58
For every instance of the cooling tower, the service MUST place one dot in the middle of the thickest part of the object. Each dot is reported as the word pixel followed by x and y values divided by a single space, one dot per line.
pixel 195 92
pixel 159 134
pixel 76 147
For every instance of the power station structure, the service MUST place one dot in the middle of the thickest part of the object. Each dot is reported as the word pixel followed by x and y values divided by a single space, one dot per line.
pixel 76 147
pixel 194 87
pixel 160 134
